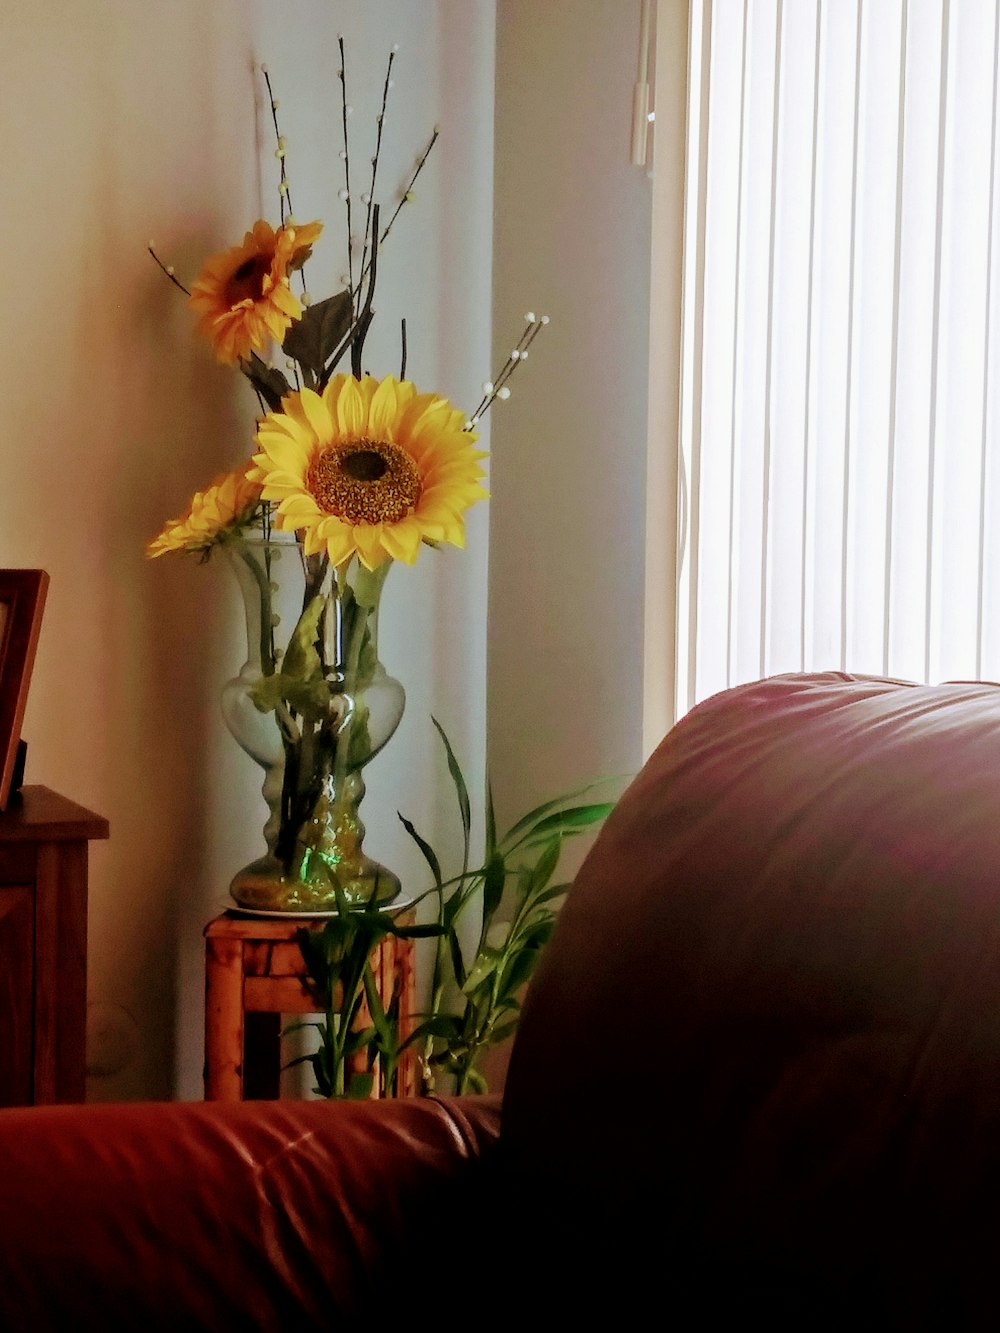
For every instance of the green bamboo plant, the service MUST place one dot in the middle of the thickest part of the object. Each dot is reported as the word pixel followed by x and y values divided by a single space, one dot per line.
pixel 513 899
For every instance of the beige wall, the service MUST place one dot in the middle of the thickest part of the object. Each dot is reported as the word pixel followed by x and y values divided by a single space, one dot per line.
pixel 126 121
pixel 571 239
pixel 567 517
pixel 140 120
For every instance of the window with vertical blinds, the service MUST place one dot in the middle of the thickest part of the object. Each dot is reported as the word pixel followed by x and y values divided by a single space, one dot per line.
pixel 840 443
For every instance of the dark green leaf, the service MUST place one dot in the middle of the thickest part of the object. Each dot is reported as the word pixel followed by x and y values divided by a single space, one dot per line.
pixel 360 1086
pixel 311 698
pixel 553 891
pixel 299 1060
pixel 494 880
pixel 502 1032
pixel 418 932
pixel 574 819
pixel 530 935
pixel 457 961
pixel 484 966
pixel 299 1025
pixel 301 658
pixel 544 867
pixel 269 383
pixel 311 339
pixel 476 1082
pixel 491 821
pixel 461 792
pixel 459 900
pixel 379 1018
pixel 540 811
pixel 518 971
pixel 357 1039
pixel 427 851
pixel 440 1025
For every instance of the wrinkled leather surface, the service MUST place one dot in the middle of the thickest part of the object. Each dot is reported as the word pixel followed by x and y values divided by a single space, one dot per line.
pixel 756 1082
pixel 259 1216
pixel 759 1067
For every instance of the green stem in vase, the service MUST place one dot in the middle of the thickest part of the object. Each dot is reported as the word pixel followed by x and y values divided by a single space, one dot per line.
pixel 266 628
pixel 359 607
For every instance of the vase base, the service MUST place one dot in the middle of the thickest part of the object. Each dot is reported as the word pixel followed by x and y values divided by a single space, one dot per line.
pixel 264 887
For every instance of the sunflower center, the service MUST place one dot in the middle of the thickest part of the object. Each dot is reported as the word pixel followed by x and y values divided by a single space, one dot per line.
pixel 365 482
pixel 247 282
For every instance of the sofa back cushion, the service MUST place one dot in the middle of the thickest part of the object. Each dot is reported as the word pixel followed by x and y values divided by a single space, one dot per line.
pixel 760 1061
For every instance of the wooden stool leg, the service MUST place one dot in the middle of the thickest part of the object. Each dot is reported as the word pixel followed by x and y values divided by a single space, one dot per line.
pixel 223 1020
pixel 261 1057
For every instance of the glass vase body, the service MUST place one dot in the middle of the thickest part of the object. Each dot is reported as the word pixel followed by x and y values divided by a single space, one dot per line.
pixel 312 705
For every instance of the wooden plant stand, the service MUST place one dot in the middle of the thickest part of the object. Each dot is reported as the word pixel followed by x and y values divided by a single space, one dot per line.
pixel 254 974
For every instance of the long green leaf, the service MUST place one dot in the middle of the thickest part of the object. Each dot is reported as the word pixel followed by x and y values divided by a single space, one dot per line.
pixel 491 821
pixel 544 868
pixel 299 1060
pixel 457 961
pixel 484 966
pixel 360 1086
pixel 574 819
pixel 540 811
pixel 461 792
pixel 504 1030
pixel 299 1024
pixel 518 971
pixel 494 882
pixel 379 1018
pixel 426 850
pixel 416 932
pixel 439 1025
pixel 553 891
pixel 456 904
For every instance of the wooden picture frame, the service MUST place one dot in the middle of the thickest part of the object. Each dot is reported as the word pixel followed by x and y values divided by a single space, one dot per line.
pixel 22 600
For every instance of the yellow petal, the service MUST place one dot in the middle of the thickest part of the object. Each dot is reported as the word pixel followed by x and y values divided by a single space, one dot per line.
pixel 402 540
pixel 383 411
pixel 368 540
pixel 351 411
pixel 315 412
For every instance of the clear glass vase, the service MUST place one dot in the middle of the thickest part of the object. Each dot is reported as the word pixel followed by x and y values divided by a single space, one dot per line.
pixel 312 705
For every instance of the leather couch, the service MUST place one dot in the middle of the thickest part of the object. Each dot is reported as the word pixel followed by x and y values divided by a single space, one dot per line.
pixel 756 1083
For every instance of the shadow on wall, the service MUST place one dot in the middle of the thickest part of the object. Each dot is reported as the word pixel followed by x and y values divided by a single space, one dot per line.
pixel 164 620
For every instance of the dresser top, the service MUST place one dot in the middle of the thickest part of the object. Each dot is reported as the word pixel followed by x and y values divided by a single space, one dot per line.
pixel 37 814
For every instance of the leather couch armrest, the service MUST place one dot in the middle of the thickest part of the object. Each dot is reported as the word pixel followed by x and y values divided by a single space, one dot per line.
pixel 252 1216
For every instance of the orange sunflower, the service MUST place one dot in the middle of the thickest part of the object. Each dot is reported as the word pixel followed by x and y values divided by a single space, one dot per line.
pixel 243 298
pixel 227 504
pixel 369 468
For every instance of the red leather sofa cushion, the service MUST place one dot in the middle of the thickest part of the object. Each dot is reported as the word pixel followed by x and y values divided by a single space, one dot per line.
pixel 759 1068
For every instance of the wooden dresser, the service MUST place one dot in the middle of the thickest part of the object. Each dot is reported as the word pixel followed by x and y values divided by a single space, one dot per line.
pixel 44 844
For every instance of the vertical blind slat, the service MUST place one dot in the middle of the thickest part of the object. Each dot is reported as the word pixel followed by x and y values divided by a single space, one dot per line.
pixel 987 341
pixel 842 436
pixel 894 352
pixel 935 340
pixel 733 452
pixel 849 385
pixel 768 356
pixel 804 601
pixel 698 333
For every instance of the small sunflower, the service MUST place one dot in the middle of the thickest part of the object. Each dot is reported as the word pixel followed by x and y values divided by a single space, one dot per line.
pixel 370 467
pixel 242 296
pixel 227 504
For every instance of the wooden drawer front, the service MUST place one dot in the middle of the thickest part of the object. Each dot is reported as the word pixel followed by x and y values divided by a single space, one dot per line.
pixel 17 946
pixel 17 863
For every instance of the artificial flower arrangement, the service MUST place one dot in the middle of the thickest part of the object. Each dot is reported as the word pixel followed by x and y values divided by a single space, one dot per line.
pixel 350 474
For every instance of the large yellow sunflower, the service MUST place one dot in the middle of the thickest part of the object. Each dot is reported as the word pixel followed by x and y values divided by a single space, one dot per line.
pixel 242 296
pixel 370 467
pixel 228 503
